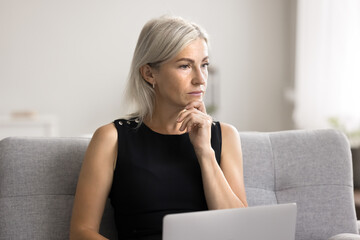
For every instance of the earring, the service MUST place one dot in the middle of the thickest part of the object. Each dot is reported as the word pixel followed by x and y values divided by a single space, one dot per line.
pixel 153 85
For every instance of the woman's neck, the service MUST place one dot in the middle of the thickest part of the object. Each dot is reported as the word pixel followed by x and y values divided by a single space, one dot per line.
pixel 164 121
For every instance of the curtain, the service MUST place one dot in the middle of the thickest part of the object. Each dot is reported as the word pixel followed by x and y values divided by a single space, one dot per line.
pixel 327 72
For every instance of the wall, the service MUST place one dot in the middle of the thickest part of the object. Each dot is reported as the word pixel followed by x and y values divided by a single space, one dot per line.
pixel 71 58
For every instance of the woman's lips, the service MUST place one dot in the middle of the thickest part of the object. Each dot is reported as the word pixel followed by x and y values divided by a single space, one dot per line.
pixel 196 93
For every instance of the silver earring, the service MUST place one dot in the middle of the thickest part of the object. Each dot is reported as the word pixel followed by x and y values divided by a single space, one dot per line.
pixel 153 85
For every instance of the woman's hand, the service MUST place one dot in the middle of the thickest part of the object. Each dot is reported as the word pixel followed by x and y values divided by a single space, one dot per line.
pixel 198 124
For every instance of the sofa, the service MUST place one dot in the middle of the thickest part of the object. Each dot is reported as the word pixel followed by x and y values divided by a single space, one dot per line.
pixel 312 168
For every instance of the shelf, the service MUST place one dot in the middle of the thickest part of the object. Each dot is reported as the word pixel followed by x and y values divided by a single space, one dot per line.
pixel 35 126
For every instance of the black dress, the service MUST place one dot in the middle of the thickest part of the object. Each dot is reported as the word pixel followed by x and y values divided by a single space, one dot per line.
pixel 155 175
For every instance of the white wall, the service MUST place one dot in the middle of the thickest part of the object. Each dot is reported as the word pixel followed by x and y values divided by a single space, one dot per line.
pixel 70 58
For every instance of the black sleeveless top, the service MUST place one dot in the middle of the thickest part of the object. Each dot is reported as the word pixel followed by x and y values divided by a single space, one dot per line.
pixel 155 175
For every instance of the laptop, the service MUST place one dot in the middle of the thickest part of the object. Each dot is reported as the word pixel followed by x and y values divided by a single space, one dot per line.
pixel 272 222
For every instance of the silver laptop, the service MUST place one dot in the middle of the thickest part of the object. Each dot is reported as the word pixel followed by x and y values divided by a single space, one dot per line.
pixel 273 222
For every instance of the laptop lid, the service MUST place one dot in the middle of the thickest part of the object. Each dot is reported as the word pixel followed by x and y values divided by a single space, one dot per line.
pixel 252 223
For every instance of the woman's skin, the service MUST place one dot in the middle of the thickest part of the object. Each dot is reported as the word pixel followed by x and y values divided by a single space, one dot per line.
pixel 180 84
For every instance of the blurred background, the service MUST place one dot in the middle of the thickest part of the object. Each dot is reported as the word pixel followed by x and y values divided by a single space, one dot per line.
pixel 275 64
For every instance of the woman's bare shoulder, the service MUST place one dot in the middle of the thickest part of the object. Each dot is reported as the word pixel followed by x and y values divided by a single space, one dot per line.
pixel 228 130
pixel 103 141
pixel 230 140
pixel 107 133
pixel 103 145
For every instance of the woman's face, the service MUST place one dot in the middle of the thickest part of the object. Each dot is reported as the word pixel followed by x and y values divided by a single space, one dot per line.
pixel 183 79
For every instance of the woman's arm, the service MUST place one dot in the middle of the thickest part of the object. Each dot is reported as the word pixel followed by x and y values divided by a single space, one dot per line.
pixel 224 184
pixel 94 184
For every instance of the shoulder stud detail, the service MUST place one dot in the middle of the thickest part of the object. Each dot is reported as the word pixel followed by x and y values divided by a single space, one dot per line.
pixel 120 123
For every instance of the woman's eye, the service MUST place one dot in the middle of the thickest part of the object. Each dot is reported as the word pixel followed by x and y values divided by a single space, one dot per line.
pixel 205 65
pixel 185 66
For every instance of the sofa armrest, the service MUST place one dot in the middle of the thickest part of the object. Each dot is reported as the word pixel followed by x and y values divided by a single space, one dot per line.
pixel 345 236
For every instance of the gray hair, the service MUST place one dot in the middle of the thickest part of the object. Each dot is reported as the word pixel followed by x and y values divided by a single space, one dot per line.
pixel 160 40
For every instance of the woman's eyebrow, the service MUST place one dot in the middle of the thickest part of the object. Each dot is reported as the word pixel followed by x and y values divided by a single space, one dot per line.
pixel 191 60
pixel 185 59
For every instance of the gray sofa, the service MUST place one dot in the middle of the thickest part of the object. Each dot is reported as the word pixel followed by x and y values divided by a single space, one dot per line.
pixel 312 168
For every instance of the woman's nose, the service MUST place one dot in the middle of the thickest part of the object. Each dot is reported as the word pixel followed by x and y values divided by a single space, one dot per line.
pixel 199 77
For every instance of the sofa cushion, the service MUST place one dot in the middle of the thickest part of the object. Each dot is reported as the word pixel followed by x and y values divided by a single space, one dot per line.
pixel 312 168
pixel 38 178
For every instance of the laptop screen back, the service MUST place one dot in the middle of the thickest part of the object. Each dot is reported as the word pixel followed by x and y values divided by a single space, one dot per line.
pixel 252 223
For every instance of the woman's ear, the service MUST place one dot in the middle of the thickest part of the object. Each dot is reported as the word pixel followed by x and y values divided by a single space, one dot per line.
pixel 148 74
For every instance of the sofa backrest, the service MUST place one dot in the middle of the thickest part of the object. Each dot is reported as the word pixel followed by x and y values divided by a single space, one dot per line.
pixel 312 168
pixel 38 179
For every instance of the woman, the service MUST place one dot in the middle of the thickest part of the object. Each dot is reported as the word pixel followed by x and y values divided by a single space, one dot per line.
pixel 168 156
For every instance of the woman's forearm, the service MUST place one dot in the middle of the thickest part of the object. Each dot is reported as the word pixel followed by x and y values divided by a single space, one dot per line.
pixel 218 192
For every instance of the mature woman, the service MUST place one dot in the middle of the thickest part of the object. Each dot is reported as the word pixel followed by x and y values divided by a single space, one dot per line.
pixel 168 156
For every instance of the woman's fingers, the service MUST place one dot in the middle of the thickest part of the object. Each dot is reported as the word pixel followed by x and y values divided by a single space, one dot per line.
pixel 181 115
pixel 194 115
pixel 199 105
pixel 192 118
pixel 186 112
pixel 189 121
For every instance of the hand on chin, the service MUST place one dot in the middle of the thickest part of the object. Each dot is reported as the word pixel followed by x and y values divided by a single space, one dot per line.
pixel 197 123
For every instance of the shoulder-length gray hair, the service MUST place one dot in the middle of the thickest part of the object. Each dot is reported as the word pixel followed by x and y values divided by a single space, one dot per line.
pixel 161 39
